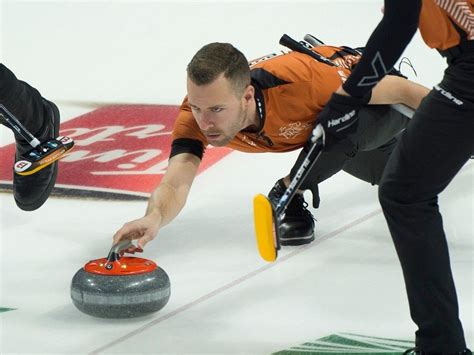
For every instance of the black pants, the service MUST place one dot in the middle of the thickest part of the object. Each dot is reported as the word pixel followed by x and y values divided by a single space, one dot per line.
pixel 436 144
pixel 363 155
pixel 21 100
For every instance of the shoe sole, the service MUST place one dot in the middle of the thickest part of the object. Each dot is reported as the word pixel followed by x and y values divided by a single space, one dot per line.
pixel 44 196
pixel 297 241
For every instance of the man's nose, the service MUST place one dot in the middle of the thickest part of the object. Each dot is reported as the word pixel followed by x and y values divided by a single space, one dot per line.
pixel 205 121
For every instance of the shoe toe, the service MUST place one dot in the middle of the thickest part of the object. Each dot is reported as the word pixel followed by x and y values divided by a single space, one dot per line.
pixel 296 228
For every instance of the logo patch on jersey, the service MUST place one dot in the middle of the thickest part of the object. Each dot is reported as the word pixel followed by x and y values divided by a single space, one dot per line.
pixel 294 129
pixel 121 152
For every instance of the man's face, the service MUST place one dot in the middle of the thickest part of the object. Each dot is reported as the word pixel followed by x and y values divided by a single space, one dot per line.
pixel 218 110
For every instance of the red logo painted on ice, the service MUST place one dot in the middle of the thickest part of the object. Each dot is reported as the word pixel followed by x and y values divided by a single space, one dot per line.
pixel 119 150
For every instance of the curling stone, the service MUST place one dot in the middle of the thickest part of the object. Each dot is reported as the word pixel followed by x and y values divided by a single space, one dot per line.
pixel 120 287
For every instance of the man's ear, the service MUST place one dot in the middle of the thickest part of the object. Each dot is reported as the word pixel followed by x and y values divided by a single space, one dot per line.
pixel 249 93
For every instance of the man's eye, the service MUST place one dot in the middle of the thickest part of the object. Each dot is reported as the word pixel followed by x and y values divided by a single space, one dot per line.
pixel 217 109
pixel 195 109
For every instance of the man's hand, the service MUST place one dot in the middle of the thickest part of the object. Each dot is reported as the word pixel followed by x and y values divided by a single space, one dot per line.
pixel 339 117
pixel 144 229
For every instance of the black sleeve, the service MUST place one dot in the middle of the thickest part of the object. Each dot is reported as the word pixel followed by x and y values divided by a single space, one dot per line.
pixel 186 145
pixel 385 45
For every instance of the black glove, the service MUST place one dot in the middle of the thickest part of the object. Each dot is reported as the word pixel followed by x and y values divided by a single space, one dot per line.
pixel 340 116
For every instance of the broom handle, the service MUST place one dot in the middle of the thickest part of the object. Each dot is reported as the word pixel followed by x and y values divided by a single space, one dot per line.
pixel 16 125
pixel 303 171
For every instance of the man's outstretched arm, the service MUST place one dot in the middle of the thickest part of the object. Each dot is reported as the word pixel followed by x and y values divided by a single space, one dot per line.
pixel 388 41
pixel 166 201
pixel 385 45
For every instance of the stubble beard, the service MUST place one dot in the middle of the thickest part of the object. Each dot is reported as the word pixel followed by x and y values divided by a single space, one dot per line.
pixel 235 129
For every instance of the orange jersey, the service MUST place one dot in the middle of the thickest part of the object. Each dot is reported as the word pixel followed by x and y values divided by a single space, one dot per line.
pixel 293 89
pixel 444 23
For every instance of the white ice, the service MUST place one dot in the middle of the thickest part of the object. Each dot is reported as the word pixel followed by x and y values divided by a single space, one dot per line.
pixel 225 299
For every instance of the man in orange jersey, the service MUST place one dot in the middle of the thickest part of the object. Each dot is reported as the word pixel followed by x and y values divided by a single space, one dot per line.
pixel 40 117
pixel 430 152
pixel 271 107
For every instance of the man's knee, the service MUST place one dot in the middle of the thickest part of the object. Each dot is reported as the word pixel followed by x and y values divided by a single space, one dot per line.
pixel 389 194
pixel 400 195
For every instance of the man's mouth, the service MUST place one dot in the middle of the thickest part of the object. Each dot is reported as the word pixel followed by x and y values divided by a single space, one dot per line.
pixel 212 135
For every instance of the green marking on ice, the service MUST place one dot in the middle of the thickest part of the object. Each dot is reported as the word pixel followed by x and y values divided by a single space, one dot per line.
pixel 346 343
pixel 2 309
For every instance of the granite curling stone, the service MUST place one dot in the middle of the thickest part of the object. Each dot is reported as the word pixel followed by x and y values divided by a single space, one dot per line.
pixel 120 287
